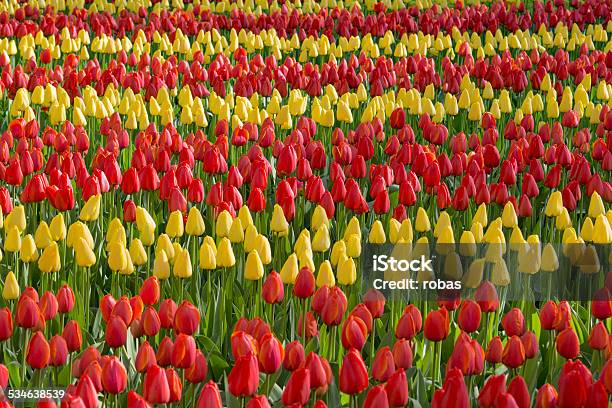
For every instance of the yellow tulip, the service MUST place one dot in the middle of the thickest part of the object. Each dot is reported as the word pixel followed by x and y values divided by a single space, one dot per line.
pixel 394 230
pixel 325 275
pixel 481 215
pixel 225 254
pixel 207 257
pixel 161 265
pixel 182 265
pixel 236 232
pixel 144 221
pixel 353 228
pixel 195 223
pixel 245 216
pixel 263 249
pixel 453 268
pixel 305 261
pixel 499 273
pixel 117 257
pixel 596 205
pixel 477 231
pixel 278 223
pixel 589 261
pixel 422 221
pixel 84 255
pixel 467 244
pixel 473 276
pixel 509 218
pixel 550 261
pixel 10 291
pixel 602 233
pixel 554 205
pixel 321 241
pixel 347 272
pixel 563 220
pixel 377 233
pixel 58 228
pixel 443 223
pixel 12 241
pixel 253 268
pixel 175 227
pixel 353 246
pixel 319 218
pixel 91 209
pixel 16 218
pixel 137 252
pixel 28 252
pixel 147 235
pixel 290 269
pixel 224 224
pixel 50 261
pixel 42 236
pixel 250 238
pixel 163 242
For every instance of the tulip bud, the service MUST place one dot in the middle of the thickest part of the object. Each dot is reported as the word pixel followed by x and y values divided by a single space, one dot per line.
pixel 353 373
pixel 38 351
pixel 10 291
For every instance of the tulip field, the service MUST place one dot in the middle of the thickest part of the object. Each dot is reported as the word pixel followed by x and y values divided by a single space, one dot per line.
pixel 202 203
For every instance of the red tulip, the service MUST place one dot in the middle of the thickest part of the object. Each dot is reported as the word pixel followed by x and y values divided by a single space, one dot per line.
pixel 116 332
pixel 167 311
pixel 27 313
pixel 198 370
pixel 376 398
pixel 353 373
pixel 493 387
pixel 354 333
pixel 469 316
pixel 243 380
pixel 494 351
pixel 530 343
pixel 271 354
pixel 453 393
pixel 258 401
pixel 573 386
pixel 567 344
pixel 58 351
pixel 86 390
pixel 402 354
pixel 486 297
pixel 304 286
pixel 437 325
pixel 601 306
pixel 297 390
pixel 187 318
pixel 107 304
pixel 518 389
pixel 65 299
pixel 334 307
pixel 384 365
pixel 38 351
pixel 145 358
pixel 114 376
pixel 184 351
pixel 514 353
pixel 546 397
pixel 294 356
pixel 6 324
pixel 210 396
pixel 397 389
pixel 272 289
pixel 149 291
pixel 514 323
pixel 156 389
pixel 310 326
pixel 548 315
pixel 317 368
pixel 4 376
pixel 599 339
pixel 174 384
pixel 151 322
pixel 410 324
